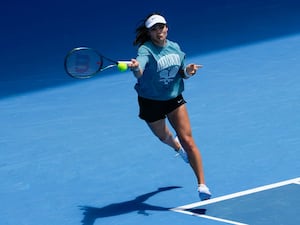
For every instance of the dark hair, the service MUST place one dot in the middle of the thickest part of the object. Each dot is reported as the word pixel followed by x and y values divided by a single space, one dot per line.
pixel 142 32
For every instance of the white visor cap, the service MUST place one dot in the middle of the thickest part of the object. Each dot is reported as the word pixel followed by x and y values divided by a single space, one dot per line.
pixel 152 20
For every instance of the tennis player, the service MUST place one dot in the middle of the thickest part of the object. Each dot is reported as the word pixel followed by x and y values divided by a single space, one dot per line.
pixel 160 71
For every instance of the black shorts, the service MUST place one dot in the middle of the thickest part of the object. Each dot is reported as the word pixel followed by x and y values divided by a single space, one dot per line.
pixel 153 110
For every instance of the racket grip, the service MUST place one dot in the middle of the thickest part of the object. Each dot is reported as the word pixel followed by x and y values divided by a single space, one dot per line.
pixel 126 62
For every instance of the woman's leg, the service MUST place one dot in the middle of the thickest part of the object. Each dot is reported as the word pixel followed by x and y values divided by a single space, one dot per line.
pixel 161 130
pixel 180 122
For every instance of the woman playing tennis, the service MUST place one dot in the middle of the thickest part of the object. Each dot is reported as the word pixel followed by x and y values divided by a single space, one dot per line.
pixel 160 71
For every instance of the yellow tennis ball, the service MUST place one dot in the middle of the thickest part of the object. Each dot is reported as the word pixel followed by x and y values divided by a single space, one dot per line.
pixel 122 66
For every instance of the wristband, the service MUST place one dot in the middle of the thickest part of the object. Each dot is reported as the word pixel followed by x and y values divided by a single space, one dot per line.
pixel 136 69
pixel 186 75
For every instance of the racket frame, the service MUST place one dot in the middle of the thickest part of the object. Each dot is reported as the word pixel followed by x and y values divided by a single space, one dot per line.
pixel 100 63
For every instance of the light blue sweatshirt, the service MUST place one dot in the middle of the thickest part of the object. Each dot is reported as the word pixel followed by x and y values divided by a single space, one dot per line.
pixel 160 79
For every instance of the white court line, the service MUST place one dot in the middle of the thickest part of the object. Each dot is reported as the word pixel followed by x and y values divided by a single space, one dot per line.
pixel 182 209
pixel 297 182
pixel 209 217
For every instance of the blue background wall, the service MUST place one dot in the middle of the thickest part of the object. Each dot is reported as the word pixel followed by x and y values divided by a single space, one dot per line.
pixel 36 35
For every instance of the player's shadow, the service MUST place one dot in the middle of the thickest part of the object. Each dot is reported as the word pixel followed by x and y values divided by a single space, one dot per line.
pixel 138 204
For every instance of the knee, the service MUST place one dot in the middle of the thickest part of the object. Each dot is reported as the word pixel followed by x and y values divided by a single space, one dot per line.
pixel 187 142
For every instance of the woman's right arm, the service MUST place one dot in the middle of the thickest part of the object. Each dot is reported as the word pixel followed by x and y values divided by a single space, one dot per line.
pixel 135 68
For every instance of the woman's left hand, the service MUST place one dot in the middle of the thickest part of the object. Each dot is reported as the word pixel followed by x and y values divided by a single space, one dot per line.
pixel 192 68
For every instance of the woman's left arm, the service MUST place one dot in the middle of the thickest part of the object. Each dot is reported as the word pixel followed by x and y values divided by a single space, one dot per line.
pixel 190 70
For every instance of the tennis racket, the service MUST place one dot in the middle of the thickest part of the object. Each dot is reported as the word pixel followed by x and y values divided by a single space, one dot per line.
pixel 84 62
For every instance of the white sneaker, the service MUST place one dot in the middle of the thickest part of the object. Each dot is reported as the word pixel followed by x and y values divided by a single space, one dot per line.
pixel 182 152
pixel 204 193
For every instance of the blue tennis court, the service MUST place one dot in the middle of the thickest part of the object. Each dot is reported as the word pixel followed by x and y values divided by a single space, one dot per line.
pixel 75 152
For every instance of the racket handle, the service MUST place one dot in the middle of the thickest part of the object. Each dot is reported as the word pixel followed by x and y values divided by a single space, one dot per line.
pixel 126 62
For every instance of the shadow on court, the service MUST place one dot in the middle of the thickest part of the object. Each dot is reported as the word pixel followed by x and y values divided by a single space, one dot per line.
pixel 138 204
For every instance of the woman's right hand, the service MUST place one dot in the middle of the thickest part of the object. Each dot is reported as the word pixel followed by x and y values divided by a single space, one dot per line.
pixel 134 66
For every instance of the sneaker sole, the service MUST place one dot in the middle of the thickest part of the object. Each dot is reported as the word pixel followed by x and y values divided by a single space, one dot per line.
pixel 204 196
